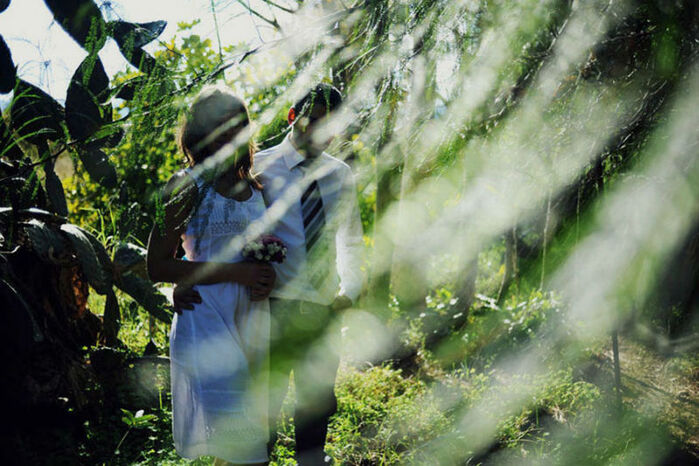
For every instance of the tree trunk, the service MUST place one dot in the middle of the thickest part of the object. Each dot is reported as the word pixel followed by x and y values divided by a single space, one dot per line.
pixel 387 172
pixel 511 263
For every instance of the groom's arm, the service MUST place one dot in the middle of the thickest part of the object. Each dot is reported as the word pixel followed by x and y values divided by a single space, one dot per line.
pixel 349 243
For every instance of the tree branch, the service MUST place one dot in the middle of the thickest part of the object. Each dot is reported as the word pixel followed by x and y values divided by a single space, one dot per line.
pixel 272 22
pixel 283 8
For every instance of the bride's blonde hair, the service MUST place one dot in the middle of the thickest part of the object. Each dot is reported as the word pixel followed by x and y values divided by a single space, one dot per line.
pixel 215 107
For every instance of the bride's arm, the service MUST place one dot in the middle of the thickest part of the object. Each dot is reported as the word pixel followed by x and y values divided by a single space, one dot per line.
pixel 179 199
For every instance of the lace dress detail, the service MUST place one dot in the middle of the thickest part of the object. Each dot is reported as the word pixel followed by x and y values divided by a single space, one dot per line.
pixel 219 350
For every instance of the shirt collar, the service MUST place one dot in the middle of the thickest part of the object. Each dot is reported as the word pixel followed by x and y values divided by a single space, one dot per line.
pixel 291 156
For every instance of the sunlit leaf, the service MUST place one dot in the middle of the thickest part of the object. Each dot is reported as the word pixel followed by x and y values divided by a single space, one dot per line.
pixel 128 414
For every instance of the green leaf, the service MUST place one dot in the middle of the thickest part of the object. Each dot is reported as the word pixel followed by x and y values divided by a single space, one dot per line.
pixel 93 78
pixel 109 135
pixel 94 271
pixel 98 166
pixel 82 19
pixel 88 87
pixel 54 191
pixel 111 318
pixel 127 89
pixel 128 255
pixel 146 294
pixel 136 35
pixel 35 116
pixel 8 71
pixel 9 148
pixel 128 417
pixel 45 241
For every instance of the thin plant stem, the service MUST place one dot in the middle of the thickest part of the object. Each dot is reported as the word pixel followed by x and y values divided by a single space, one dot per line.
pixel 218 33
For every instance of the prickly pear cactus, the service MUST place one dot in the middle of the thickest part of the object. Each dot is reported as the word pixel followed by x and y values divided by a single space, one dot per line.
pixel 94 271
pixel 127 256
pixel 145 294
pixel 47 243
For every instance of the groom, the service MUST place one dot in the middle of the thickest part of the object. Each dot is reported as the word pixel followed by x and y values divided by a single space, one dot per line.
pixel 313 197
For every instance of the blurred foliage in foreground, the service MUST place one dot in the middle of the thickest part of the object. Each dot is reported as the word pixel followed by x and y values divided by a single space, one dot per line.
pixel 528 182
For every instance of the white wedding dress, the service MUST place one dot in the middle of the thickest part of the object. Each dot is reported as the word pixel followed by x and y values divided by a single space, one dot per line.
pixel 219 350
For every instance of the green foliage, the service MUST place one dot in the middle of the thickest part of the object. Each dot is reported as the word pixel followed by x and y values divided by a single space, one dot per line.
pixel 137 420
pixel 273 133
pixel 133 438
pixel 508 328
pixel 393 49
pixel 381 415
pixel 492 331
pixel 557 399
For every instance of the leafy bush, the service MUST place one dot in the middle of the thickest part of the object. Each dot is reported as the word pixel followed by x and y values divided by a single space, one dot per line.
pixel 379 417
pixel 496 331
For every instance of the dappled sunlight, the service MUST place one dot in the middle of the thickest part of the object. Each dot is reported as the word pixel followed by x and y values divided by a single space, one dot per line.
pixel 554 140
pixel 639 225
pixel 542 145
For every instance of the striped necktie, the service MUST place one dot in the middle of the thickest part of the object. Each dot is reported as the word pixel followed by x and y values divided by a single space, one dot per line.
pixel 313 223
pixel 312 211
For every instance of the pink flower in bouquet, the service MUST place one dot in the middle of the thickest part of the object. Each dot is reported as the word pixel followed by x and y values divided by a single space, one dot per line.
pixel 266 248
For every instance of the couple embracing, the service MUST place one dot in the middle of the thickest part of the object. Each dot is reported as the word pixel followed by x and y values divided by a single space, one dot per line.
pixel 248 324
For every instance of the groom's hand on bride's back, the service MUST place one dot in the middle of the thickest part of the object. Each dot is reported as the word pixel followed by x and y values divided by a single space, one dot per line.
pixel 258 277
pixel 184 298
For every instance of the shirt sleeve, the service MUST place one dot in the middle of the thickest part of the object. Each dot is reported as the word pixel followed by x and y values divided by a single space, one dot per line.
pixel 349 240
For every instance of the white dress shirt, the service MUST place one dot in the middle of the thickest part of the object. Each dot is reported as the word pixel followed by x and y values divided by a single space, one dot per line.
pixel 284 182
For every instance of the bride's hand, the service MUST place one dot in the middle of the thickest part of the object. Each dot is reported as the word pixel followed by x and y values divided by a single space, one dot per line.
pixel 258 293
pixel 263 288
pixel 257 275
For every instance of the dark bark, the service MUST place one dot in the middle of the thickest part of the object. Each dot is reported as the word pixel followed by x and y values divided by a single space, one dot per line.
pixel 45 326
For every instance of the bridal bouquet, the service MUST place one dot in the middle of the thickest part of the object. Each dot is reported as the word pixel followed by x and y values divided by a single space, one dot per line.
pixel 266 248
